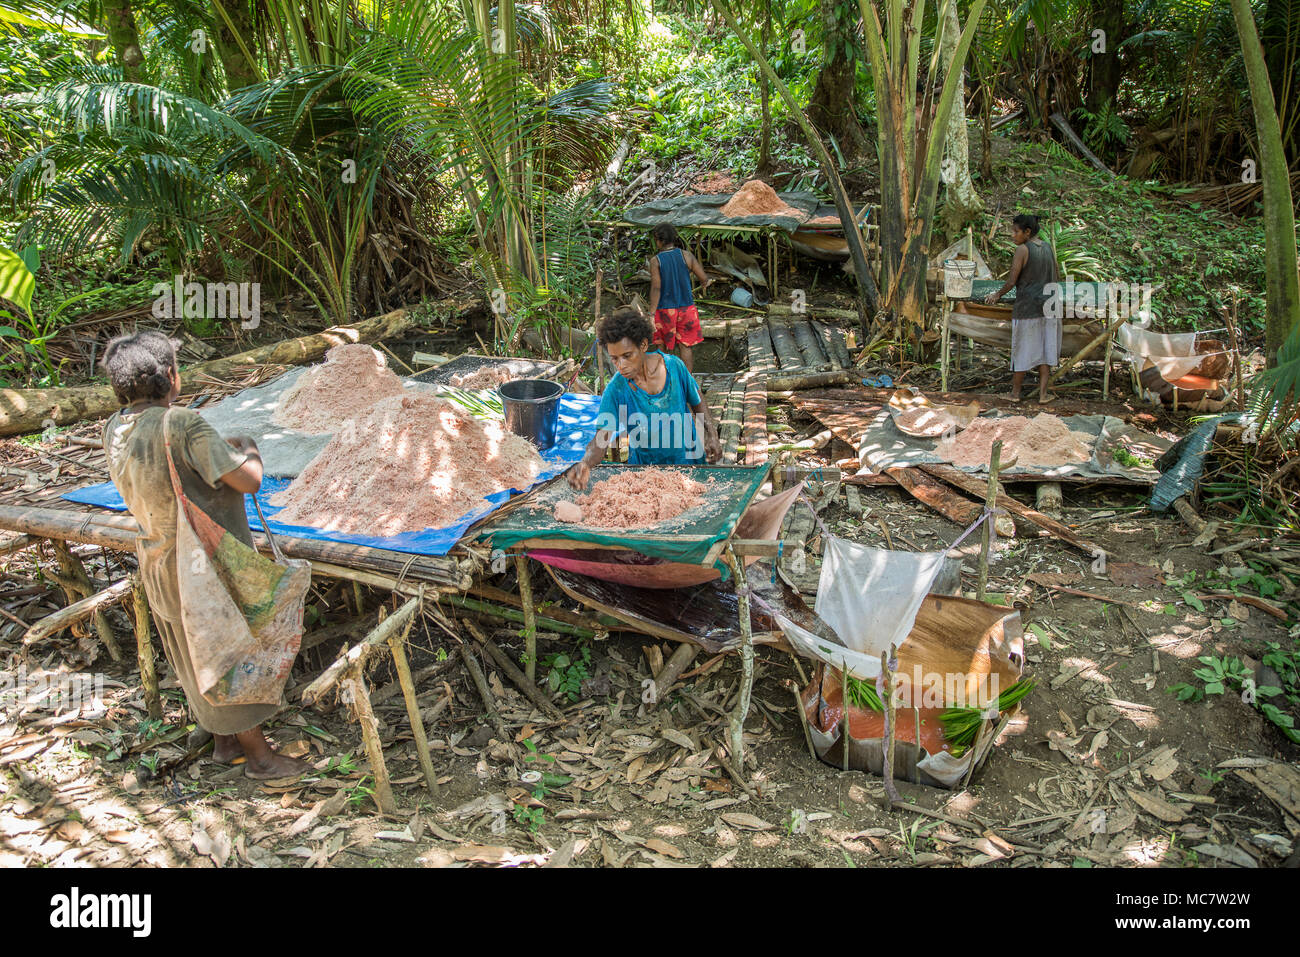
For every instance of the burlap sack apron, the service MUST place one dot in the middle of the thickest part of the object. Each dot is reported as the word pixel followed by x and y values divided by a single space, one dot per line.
pixel 242 612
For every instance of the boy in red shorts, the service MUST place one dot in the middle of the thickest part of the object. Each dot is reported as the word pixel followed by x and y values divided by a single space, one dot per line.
pixel 677 322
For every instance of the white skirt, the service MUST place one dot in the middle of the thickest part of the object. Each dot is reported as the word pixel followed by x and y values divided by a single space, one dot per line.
pixel 1035 342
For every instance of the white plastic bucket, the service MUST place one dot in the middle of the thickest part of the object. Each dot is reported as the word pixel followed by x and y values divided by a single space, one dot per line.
pixel 957 277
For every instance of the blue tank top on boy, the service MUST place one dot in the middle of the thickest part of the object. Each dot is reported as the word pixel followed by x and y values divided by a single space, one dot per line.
pixel 660 428
pixel 674 280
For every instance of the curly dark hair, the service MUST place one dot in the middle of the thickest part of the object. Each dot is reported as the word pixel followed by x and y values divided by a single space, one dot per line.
pixel 139 365
pixel 625 322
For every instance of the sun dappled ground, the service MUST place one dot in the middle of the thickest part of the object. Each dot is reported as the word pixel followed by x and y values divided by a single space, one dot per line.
pixel 1107 767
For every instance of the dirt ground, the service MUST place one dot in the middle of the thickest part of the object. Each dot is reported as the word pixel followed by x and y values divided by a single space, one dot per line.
pixel 1107 768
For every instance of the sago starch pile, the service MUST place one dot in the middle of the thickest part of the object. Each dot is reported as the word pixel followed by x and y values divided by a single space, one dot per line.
pixel 411 462
pixel 352 378
pixel 634 500
pixel 756 198
pixel 1043 441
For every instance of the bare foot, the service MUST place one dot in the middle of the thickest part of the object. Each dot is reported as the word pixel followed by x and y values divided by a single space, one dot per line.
pixel 1046 399
pixel 275 766
pixel 1014 397
pixel 226 748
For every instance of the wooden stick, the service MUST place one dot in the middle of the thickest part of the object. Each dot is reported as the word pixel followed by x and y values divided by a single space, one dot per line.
pixel 741 710
pixel 484 692
pixel 971 484
pixel 358 652
pixel 916 763
pixel 1089 349
pixel 844 717
pixel 57 621
pixel 945 335
pixel 803 718
pixel 355 683
pixel 13 543
pixel 1251 600
pixel 975 752
pixel 144 650
pixel 891 791
pixel 530 616
pixel 397 645
pixel 81 584
pixel 517 677
pixel 509 614
pixel 1230 323
pixel 681 660
pixel 986 539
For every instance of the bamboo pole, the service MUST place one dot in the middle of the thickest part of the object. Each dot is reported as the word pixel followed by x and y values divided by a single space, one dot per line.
pixel 510 614
pixel 891 720
pixel 741 710
pixel 14 543
pixel 357 653
pixel 517 677
pixel 530 616
pixel 355 684
pixel 27 410
pixel 55 622
pixel 1088 350
pixel 986 534
pixel 144 650
pixel 397 645
pixel 79 583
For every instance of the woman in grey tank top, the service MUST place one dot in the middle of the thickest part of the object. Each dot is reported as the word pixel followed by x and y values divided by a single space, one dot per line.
pixel 1035 335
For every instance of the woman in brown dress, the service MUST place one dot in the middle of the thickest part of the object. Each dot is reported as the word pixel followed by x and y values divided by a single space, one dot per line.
pixel 215 473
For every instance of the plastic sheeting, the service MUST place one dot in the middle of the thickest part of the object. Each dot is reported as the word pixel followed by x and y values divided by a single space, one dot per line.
pixel 686 211
pixel 1182 465
pixel 577 426
pixel 688 538
pixel 1173 355
pixel 870 597
pixel 762 520
pixel 883 445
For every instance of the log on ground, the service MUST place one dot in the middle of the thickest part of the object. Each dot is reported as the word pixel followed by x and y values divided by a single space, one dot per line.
pixel 30 410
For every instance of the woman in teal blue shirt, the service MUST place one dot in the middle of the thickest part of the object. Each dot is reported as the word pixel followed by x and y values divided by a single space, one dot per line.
pixel 652 399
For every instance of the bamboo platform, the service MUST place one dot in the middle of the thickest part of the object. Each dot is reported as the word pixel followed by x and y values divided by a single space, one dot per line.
pixel 33 479
pixel 793 345
pixel 738 403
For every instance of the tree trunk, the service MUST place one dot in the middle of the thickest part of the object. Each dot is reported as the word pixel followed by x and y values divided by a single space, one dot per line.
pixel 909 172
pixel 30 410
pixel 1105 70
pixel 119 21
pixel 765 99
pixel 1280 35
pixel 868 300
pixel 961 202
pixel 235 42
pixel 833 105
pixel 1281 282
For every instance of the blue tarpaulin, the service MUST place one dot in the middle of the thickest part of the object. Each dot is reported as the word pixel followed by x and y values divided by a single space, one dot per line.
pixel 577 425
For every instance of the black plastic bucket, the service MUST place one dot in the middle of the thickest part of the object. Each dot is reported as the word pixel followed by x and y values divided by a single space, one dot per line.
pixel 532 407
